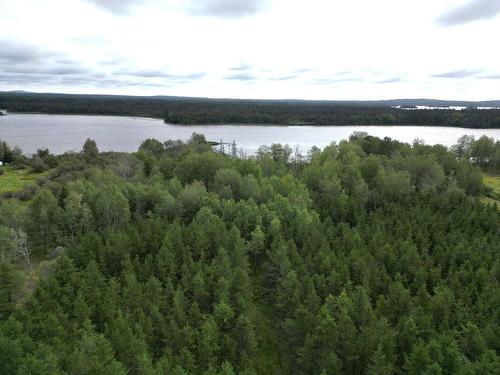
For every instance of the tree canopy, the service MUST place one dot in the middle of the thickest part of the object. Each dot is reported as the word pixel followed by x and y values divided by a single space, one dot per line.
pixel 370 256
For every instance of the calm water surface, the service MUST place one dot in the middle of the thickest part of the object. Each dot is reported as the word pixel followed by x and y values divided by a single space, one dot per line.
pixel 61 133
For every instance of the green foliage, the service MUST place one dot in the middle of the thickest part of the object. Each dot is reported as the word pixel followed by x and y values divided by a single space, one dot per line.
pixel 10 281
pixel 90 151
pixel 93 355
pixel 371 257
pixel 38 165
pixel 13 180
pixel 8 154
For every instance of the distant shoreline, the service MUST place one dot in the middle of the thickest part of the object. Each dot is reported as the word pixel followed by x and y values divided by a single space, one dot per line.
pixel 80 114
pixel 192 111
pixel 248 124
pixel 238 123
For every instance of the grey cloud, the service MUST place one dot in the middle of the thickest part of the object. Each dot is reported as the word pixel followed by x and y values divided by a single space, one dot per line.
pixel 335 80
pixel 107 83
pixel 78 76
pixel 116 6
pixel 57 70
pixel 142 73
pixel 462 73
pixel 102 82
pixel 298 73
pixel 284 78
pixel 98 75
pixel 472 11
pixel 374 73
pixel 23 78
pixel 241 77
pixel 113 61
pixel 89 40
pixel 19 53
pixel 65 61
pixel 161 74
pixel 491 76
pixel 227 8
pixel 391 80
pixel 18 59
pixel 242 67
pixel 185 78
pixel 89 80
pixel 303 70
pixel 193 75
pixel 28 65
pixel 342 73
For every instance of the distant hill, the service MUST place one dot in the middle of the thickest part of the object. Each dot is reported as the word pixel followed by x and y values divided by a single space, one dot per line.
pixel 383 103
pixel 16 92
pixel 437 103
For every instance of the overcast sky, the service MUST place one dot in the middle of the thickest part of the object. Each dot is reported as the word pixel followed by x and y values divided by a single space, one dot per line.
pixel 303 49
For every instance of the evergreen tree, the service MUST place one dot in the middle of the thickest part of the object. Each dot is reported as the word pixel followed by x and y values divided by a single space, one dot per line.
pixel 90 151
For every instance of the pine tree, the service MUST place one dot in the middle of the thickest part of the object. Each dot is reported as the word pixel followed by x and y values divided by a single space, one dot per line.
pixel 378 364
pixel 90 151
pixel 94 355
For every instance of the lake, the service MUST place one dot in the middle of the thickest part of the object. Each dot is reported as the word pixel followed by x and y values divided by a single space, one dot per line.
pixel 61 133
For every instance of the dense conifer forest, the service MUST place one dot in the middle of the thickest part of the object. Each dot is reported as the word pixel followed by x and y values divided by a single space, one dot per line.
pixel 370 256
pixel 177 110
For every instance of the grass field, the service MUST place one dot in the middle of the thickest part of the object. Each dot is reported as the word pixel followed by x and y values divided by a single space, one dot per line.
pixel 13 180
pixel 493 183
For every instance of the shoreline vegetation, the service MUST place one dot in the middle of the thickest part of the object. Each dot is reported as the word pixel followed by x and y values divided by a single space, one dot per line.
pixel 21 174
pixel 196 111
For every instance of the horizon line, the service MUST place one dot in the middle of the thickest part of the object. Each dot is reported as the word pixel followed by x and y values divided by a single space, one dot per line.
pixel 249 99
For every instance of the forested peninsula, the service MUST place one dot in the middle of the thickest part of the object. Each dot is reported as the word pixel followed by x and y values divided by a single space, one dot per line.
pixel 178 110
pixel 370 256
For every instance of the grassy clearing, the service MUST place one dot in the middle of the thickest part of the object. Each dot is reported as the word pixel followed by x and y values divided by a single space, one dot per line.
pixel 13 180
pixel 492 182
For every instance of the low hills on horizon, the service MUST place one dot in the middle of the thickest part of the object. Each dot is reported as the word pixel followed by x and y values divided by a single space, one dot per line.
pixel 406 102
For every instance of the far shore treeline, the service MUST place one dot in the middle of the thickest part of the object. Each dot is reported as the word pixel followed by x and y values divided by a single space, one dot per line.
pixel 177 110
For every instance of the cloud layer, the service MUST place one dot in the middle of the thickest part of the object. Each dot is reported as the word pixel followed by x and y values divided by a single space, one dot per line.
pixel 256 49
